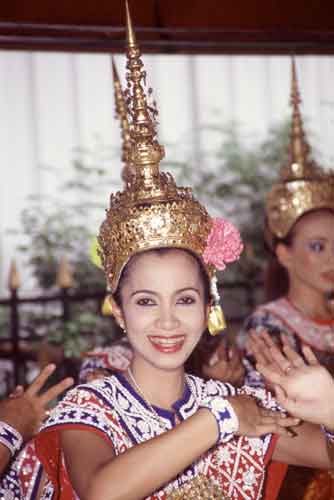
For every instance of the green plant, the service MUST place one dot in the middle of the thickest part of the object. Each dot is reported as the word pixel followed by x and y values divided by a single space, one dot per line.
pixel 237 186
pixel 58 226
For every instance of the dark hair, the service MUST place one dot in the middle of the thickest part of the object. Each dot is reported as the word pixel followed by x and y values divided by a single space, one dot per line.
pixel 164 251
pixel 276 277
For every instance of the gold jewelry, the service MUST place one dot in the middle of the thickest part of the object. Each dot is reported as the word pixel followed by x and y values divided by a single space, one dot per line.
pixel 216 320
pixel 106 308
pixel 200 487
pixel 141 392
pixel 287 369
pixel 303 185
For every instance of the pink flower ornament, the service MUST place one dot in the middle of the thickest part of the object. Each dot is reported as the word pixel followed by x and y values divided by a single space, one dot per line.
pixel 224 244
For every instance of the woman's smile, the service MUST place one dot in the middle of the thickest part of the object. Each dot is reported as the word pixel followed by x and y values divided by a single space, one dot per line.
pixel 167 345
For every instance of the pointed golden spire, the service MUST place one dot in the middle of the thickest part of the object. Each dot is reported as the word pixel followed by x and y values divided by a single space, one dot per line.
pixel 122 114
pixel 146 153
pixel 130 34
pixel 14 279
pixel 300 165
pixel 64 276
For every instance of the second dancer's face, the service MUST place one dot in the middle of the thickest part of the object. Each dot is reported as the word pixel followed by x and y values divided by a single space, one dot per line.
pixel 163 308
pixel 310 258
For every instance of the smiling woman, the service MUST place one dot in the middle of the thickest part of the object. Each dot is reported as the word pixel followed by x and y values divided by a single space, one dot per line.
pixel 157 432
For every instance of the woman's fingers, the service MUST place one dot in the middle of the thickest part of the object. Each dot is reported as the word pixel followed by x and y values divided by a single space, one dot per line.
pixel 256 347
pixel 309 356
pixel 40 380
pixel 17 392
pixel 274 422
pixel 294 358
pixel 55 390
pixel 272 375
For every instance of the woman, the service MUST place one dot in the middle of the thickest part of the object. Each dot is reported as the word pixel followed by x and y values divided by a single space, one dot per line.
pixel 300 277
pixel 156 432
pixel 300 234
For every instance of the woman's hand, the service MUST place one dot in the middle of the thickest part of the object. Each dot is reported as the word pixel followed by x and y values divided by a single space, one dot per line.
pixel 225 365
pixel 255 421
pixel 304 389
pixel 26 410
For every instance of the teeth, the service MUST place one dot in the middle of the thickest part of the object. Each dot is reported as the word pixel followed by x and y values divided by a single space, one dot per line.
pixel 167 342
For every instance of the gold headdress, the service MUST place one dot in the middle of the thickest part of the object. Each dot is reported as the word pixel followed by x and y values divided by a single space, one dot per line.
pixel 152 211
pixel 303 185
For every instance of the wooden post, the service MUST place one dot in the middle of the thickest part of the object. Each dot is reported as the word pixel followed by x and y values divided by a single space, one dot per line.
pixel 64 281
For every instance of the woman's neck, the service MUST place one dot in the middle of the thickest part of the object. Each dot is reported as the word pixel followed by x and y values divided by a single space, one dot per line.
pixel 159 387
pixel 310 303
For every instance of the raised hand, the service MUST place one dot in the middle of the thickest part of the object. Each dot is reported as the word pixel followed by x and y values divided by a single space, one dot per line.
pixel 26 410
pixel 225 365
pixel 304 389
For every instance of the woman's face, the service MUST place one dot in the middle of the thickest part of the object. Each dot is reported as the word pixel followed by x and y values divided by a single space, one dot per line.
pixel 163 308
pixel 310 258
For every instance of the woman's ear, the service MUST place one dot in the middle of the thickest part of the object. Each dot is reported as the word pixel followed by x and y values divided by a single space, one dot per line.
pixel 117 312
pixel 283 253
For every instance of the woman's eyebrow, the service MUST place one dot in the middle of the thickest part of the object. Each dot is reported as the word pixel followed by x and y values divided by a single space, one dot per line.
pixel 180 290
pixel 188 288
pixel 151 292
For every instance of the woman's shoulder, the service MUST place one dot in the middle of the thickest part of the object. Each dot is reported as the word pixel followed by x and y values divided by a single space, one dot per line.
pixel 84 404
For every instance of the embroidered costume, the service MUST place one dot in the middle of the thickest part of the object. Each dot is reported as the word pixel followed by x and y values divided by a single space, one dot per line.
pixel 23 478
pixel 112 409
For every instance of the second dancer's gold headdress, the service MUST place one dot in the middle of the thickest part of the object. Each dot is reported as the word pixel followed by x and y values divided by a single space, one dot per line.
pixel 303 185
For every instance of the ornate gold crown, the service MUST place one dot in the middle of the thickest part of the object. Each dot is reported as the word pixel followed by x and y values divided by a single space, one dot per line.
pixel 303 185
pixel 151 212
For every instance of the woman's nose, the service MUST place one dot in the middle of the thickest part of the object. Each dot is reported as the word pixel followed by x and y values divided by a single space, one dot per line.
pixel 167 320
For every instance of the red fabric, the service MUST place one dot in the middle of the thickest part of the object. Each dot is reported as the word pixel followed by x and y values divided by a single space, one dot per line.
pixel 276 472
pixel 48 450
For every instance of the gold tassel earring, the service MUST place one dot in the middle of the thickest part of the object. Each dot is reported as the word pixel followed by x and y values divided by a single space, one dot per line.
pixel 106 308
pixel 216 319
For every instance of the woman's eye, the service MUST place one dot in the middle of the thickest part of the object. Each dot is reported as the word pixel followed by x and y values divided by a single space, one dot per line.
pixel 186 300
pixel 317 246
pixel 145 302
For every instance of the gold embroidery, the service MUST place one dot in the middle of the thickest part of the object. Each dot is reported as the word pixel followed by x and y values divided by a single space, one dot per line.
pixel 199 488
